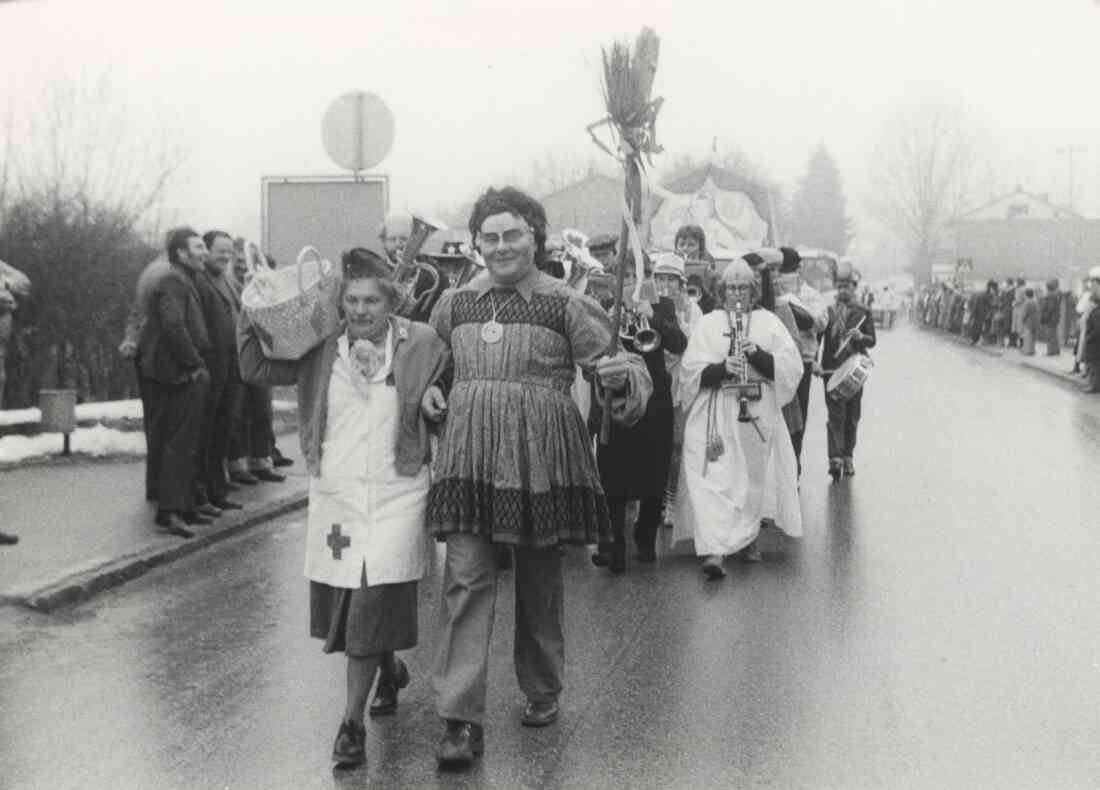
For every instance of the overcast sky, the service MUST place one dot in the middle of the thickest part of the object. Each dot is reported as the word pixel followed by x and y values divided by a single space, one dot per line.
pixel 480 89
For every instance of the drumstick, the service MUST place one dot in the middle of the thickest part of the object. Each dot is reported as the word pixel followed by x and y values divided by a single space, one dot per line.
pixel 848 339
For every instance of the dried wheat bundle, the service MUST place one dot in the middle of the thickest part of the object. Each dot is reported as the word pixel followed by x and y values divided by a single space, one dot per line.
pixel 628 80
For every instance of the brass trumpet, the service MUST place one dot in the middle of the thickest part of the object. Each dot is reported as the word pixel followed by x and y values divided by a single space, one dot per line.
pixel 636 329
pixel 407 273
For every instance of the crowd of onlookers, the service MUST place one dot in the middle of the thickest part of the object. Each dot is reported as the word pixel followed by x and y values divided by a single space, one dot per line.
pixel 1018 314
pixel 208 433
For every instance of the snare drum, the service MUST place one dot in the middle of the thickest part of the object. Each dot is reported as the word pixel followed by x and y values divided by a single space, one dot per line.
pixel 849 377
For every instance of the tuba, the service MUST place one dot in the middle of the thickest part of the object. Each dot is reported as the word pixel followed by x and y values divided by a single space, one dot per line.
pixel 472 266
pixel 416 297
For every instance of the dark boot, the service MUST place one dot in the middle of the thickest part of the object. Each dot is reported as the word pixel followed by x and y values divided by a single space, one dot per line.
pixel 350 748
pixel 390 681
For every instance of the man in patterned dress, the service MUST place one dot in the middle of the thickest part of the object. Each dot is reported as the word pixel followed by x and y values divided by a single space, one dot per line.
pixel 514 465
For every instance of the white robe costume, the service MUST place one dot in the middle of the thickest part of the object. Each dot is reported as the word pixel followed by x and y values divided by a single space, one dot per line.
pixel 721 502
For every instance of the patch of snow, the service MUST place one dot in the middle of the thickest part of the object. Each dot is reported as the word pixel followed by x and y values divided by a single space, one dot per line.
pixel 95 441
pixel 109 410
pixel 20 416
pixel 106 410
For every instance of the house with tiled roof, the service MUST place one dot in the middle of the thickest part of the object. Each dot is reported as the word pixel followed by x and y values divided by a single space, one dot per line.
pixel 1025 234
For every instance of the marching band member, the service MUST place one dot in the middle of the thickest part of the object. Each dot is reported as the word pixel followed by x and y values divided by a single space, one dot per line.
pixel 731 431
pixel 634 465
pixel 691 245
pixel 668 275
pixel 394 234
pixel 765 263
pixel 850 331
pixel 810 314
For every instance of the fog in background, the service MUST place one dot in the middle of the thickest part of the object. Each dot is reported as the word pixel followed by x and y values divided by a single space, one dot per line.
pixel 481 90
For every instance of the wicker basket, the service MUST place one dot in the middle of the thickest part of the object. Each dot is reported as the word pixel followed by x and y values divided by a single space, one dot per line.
pixel 294 308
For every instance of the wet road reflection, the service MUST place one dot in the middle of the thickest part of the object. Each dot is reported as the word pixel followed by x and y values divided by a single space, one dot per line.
pixel 935 628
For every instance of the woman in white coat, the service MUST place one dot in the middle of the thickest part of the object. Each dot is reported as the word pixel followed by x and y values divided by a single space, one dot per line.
pixel 366 446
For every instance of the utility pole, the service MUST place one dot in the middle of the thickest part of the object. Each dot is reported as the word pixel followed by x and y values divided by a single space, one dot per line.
pixel 1068 151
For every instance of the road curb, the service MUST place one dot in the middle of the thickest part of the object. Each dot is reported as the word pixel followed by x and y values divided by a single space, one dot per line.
pixel 1065 378
pixel 81 585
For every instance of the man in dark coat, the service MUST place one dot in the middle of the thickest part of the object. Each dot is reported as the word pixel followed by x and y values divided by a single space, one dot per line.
pixel 850 331
pixel 983 312
pixel 220 308
pixel 1091 351
pixel 635 464
pixel 173 348
pixel 1050 311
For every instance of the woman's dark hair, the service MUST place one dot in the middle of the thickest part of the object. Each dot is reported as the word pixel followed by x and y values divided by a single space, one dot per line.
pixel 1030 292
pixel 359 263
pixel 510 200
pixel 692 232
pixel 177 239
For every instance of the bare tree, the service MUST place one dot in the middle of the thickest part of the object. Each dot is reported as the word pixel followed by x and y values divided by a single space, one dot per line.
pixel 925 170
pixel 84 144
pixel 82 183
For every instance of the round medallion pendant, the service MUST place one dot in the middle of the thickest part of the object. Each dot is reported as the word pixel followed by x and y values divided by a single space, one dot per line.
pixel 491 332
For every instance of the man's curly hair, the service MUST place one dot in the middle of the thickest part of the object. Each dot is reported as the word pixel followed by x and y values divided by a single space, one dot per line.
pixel 510 200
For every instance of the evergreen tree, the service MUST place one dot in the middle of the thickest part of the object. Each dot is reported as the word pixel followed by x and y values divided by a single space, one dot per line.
pixel 819 210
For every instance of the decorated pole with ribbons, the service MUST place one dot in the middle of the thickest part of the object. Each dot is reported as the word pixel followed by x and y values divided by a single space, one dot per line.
pixel 631 122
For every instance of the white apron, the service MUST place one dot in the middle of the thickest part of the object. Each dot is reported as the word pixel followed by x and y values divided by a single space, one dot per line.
pixel 363 515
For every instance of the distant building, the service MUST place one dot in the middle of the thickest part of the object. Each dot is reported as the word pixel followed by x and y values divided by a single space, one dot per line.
pixel 1023 234
pixel 591 205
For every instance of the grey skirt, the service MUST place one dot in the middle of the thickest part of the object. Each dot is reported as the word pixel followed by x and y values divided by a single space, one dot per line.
pixel 365 621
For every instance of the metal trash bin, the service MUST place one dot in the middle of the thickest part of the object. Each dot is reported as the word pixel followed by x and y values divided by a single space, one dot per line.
pixel 58 409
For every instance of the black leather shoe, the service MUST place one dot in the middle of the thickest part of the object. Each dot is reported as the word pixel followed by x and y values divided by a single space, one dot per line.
pixel 601 559
pixel 192 518
pixel 268 476
pixel 172 524
pixel 8 540
pixel 226 504
pixel 646 553
pixel 208 510
pixel 540 714
pixel 461 743
pixel 279 459
pixel 385 696
pixel 243 478
pixel 350 747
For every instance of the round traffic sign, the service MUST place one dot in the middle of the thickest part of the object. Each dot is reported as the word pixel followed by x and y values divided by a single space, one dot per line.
pixel 357 130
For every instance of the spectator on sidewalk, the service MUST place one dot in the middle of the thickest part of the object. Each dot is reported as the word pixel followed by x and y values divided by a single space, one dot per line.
pixel 1002 317
pixel 1091 341
pixel 221 307
pixel 1018 312
pixel 174 345
pixel 7 311
pixel 131 348
pixel 252 435
pixel 1029 322
pixel 1085 304
pixel 1049 313
pixel 982 314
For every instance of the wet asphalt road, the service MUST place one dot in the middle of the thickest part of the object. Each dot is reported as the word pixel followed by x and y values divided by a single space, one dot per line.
pixel 938 627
